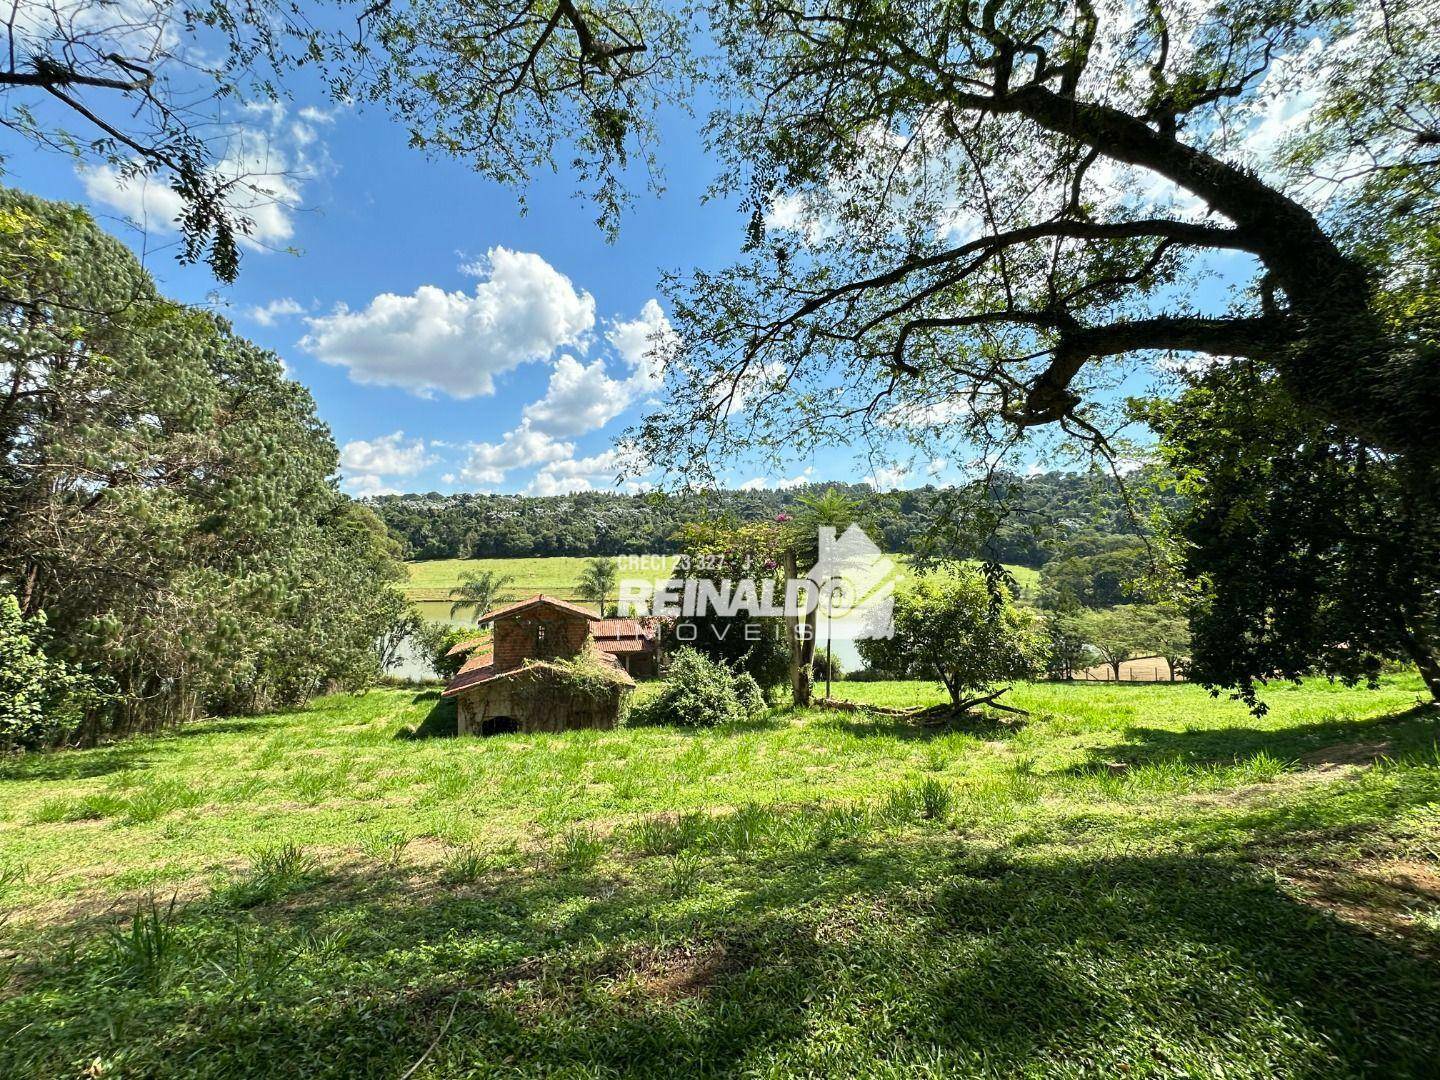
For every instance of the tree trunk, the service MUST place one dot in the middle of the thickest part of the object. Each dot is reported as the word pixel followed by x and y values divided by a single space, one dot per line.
pixel 798 694
pixel 1425 655
pixel 1334 354
pixel 807 656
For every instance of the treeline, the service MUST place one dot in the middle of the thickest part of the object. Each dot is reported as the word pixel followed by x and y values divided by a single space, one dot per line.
pixel 1025 520
pixel 172 539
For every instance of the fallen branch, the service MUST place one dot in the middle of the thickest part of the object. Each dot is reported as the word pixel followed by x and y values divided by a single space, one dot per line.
pixel 966 706
pixel 855 706
pixel 435 1041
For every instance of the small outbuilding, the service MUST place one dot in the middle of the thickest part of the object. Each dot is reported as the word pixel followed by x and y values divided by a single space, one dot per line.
pixel 542 669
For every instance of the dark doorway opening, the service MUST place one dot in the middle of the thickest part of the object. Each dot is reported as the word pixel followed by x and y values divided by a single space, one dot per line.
pixel 499 725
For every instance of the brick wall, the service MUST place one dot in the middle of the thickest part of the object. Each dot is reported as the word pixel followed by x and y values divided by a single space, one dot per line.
pixel 539 633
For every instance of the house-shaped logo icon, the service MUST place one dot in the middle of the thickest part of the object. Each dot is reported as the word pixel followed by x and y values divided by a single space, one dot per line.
pixel 856 583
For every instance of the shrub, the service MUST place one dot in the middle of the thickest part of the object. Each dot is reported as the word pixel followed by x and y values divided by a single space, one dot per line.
pixel 42 700
pixel 960 626
pixel 436 639
pixel 749 695
pixel 825 661
pixel 698 692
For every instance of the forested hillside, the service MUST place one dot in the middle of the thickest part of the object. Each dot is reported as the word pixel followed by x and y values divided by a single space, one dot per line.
pixel 1043 515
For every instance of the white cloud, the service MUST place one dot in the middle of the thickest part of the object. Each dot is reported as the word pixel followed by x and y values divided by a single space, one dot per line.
pixel 454 343
pixel 367 462
pixel 388 455
pixel 517 449
pixel 761 483
pixel 148 202
pixel 366 486
pixel 579 398
pixel 643 343
pixel 733 395
pixel 264 168
pixel 267 314
pixel 936 467
pixel 599 471
pixel 795 213
pixel 889 479
pixel 548 483
pixel 939 412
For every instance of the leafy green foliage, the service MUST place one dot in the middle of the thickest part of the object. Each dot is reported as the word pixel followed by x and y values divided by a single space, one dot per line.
pixel 749 695
pixel 40 697
pixel 436 639
pixel 1116 634
pixel 1308 550
pixel 826 666
pixel 955 625
pixel 713 551
pixel 702 693
pixel 167 497
pixel 1103 579
pixel 1026 520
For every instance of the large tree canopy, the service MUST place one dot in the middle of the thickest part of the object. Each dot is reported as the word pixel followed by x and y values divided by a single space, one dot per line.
pixel 149 87
pixel 964 214
pixel 167 494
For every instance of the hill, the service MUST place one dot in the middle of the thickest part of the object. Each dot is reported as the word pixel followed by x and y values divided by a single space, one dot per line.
pixel 1033 519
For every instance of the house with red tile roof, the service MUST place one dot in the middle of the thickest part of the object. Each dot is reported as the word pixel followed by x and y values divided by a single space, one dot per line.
pixel 522 677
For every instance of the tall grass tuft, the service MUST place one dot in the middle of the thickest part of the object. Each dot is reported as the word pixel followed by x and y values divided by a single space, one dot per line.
pixel 386 847
pixel 158 799
pixel 935 799
pixel 464 866
pixel 274 874
pixel 144 954
pixel 662 835
pixel 578 850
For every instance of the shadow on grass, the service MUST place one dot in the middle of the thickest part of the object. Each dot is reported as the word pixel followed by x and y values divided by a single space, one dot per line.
pixel 441 722
pixel 892 958
pixel 869 725
pixel 1341 741
pixel 72 764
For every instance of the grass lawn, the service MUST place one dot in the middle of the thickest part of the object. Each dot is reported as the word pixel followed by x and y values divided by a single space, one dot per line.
pixel 431 580
pixel 1137 881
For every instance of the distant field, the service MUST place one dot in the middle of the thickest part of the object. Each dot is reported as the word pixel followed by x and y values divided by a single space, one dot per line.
pixel 432 580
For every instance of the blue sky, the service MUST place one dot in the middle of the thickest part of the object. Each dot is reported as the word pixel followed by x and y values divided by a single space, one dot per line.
pixel 466 343
pixel 452 342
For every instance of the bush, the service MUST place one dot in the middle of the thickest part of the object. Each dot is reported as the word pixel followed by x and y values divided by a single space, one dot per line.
pixel 436 639
pixel 749 695
pixel 957 625
pixel 698 692
pixel 42 700
pixel 824 660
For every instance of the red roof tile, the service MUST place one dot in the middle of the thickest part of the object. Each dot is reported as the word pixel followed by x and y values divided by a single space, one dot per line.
pixel 471 644
pixel 625 645
pixel 538 598
pixel 621 628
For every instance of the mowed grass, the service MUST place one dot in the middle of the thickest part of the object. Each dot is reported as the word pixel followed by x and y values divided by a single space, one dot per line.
pixel 431 580
pixel 1134 881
